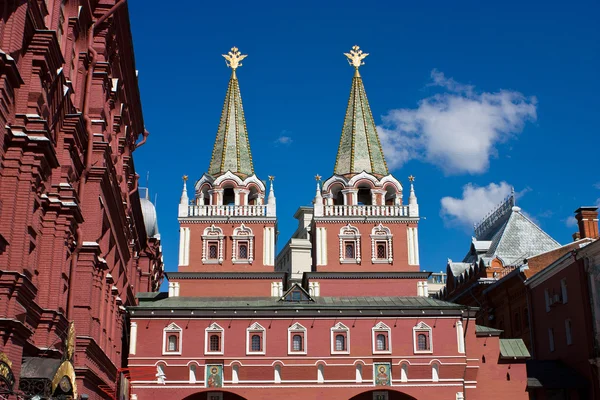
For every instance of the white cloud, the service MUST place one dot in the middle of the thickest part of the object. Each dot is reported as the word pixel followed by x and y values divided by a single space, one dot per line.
pixel 597 185
pixel 571 221
pixel 458 129
pixel 283 139
pixel 476 203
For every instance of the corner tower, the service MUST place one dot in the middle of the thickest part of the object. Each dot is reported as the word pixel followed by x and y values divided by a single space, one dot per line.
pixel 361 224
pixel 228 226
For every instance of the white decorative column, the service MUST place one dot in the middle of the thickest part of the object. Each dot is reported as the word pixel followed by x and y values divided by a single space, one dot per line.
pixel 460 337
pixel 321 239
pixel 413 245
pixel 269 245
pixel 133 338
pixel 184 246
pixel 171 289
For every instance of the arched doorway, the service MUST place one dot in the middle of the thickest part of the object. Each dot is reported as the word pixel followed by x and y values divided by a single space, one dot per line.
pixel 382 394
pixel 214 395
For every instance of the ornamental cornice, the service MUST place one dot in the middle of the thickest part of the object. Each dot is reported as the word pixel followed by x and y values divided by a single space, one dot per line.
pixel 245 220
pixel 387 220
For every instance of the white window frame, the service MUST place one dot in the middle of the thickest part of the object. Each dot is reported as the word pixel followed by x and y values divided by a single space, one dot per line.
pixel 378 328
pixel 213 233
pixel 349 233
pixel 256 328
pixel 563 290
pixel 242 234
pixel 381 233
pixel 214 328
pixel 172 328
pixel 422 327
pixel 569 331
pixel 340 328
pixel 297 328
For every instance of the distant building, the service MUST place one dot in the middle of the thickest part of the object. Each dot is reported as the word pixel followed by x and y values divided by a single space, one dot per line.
pixel 341 313
pixel 435 283
pixel 77 240
pixel 564 299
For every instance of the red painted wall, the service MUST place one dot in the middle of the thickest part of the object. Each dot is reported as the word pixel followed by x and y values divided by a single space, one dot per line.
pixel 222 287
pixel 367 287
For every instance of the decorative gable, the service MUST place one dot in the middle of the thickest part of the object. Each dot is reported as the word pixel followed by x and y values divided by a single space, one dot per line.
pixel 340 327
pixel 214 327
pixel 297 327
pixel 296 294
pixel 172 327
pixel 381 326
pixel 256 327
pixel 422 325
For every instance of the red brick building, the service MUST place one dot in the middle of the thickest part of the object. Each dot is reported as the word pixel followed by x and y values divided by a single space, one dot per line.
pixel 74 248
pixel 564 299
pixel 342 312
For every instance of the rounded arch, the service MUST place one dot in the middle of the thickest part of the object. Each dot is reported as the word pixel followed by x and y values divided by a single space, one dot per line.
pixel 391 395
pixel 204 395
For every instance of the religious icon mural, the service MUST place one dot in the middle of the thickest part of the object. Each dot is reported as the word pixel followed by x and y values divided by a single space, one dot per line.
pixel 214 376
pixel 382 374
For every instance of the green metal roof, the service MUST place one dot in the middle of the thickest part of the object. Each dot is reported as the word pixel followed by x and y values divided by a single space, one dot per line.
pixel 486 330
pixel 360 149
pixel 162 301
pixel 513 348
pixel 232 147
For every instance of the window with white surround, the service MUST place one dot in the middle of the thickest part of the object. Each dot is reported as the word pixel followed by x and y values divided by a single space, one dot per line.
pixel 358 373
pixel 277 289
pixel 380 395
pixel 422 338
pixel 382 337
pixel 435 372
pixel 297 339
pixel 277 373
pixel 255 339
pixel 243 245
pixel 568 332
pixel 172 339
pixel 235 373
pixel 213 339
pixel 340 339
pixel 563 290
pixel 381 245
pixel 314 289
pixel 212 245
pixel 349 244
pixel 551 339
pixel 192 373
pixel 404 372
pixel 320 373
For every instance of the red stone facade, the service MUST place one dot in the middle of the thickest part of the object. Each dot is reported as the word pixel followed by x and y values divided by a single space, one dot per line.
pixel 74 244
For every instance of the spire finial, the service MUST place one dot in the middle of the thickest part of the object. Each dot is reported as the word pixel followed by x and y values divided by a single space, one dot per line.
pixel 233 58
pixel 184 200
pixel 355 58
pixel 185 178
pixel 411 179
pixel 271 179
pixel 317 177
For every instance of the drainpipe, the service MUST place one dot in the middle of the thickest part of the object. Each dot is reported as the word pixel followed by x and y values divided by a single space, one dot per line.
pixel 145 134
pixel 88 156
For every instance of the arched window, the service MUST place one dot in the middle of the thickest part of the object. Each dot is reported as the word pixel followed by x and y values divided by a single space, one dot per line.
pixel 215 344
pixel 422 342
pixel 256 343
pixel 172 343
pixel 340 342
pixel 404 373
pixel 228 196
pixel 297 343
pixel 349 244
pixel 364 197
pixel 435 372
pixel 381 346
pixel 381 244
pixel 192 373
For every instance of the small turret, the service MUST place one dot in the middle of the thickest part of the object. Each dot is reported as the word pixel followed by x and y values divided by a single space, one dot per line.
pixel 413 206
pixel 184 200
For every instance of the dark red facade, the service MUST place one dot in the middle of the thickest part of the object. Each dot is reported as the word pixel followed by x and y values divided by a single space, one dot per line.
pixel 74 247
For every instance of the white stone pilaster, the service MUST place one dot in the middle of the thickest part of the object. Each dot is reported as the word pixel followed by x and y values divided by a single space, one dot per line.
pixel 460 337
pixel 133 338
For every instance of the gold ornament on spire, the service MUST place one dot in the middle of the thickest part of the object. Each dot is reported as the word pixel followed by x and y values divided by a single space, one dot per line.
pixel 411 179
pixel 317 177
pixel 356 56
pixel 233 58
pixel 185 178
pixel 271 178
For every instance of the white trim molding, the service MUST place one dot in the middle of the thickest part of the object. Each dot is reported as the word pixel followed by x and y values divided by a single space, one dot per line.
pixel 184 246
pixel 214 328
pixel 349 233
pixel 381 233
pixel 297 328
pixel 321 244
pixel 256 328
pixel 422 327
pixel 242 233
pixel 175 329
pixel 133 338
pixel 213 233
pixel 413 245
pixel 269 246
pixel 381 327
pixel 343 329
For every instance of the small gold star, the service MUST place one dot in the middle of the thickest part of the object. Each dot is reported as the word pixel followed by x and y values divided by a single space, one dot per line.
pixel 411 178
pixel 317 177
pixel 271 178
pixel 185 178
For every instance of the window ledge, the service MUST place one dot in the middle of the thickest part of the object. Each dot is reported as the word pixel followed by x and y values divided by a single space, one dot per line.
pixel 350 261
pixel 242 261
pixel 171 353
pixel 296 352
pixel 341 352
pixel 215 353
pixel 425 352
pixel 382 352
pixel 381 261
pixel 211 261
pixel 255 353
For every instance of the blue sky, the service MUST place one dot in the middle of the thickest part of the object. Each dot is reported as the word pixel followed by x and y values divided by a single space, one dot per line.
pixel 471 98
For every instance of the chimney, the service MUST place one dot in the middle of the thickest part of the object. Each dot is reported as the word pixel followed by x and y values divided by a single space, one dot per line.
pixel 587 220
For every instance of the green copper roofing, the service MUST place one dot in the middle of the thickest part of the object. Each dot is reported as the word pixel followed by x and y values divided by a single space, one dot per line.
pixel 232 147
pixel 513 348
pixel 359 149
